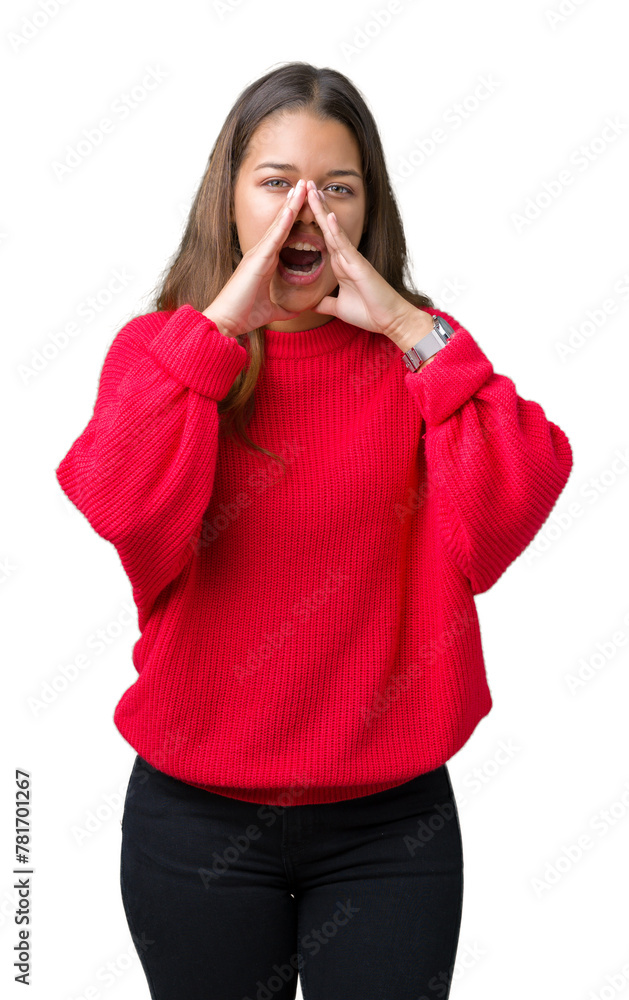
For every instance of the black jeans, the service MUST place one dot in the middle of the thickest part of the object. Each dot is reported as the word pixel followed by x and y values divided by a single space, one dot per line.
pixel 233 900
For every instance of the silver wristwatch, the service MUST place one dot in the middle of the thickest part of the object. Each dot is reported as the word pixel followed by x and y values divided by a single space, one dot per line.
pixel 429 344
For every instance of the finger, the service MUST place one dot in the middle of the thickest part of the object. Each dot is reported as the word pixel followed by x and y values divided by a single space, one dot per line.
pixel 328 306
pixel 296 195
pixel 338 233
pixel 337 239
pixel 321 215
pixel 288 211
pixel 271 243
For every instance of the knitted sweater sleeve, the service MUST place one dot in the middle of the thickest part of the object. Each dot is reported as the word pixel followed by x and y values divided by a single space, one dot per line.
pixel 495 463
pixel 142 471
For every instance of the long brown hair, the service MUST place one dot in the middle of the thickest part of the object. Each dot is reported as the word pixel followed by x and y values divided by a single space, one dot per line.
pixel 209 251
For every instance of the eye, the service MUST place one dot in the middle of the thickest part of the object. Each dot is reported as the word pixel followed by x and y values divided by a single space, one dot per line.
pixel 274 183
pixel 340 186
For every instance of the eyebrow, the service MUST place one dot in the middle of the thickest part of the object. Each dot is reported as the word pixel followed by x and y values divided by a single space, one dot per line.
pixel 291 166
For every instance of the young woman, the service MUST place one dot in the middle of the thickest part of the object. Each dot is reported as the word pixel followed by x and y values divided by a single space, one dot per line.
pixel 304 569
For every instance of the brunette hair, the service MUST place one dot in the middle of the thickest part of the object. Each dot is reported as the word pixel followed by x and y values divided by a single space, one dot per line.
pixel 209 251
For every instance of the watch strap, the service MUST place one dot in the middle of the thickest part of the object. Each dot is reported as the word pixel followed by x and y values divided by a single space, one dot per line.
pixel 429 344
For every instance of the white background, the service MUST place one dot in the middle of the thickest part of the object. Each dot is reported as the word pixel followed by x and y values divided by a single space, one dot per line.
pixel 524 290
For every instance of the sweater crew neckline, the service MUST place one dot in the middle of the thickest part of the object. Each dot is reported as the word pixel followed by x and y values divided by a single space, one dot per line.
pixel 322 339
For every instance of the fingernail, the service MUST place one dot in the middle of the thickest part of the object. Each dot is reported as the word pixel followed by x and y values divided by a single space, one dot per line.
pixel 319 195
pixel 290 194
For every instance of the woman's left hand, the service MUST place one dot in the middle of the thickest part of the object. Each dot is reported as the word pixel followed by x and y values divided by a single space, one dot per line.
pixel 364 298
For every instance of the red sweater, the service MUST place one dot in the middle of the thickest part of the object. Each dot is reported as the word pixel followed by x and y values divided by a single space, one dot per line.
pixel 308 635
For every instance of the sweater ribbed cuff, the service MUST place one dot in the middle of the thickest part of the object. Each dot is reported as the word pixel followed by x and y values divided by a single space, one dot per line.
pixel 191 349
pixel 457 371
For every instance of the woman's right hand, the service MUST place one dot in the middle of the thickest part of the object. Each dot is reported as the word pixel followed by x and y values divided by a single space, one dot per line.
pixel 244 303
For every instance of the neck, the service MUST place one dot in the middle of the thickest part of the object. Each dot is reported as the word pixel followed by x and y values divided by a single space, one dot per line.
pixel 306 320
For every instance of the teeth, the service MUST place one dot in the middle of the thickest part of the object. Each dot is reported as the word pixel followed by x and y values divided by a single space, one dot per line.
pixel 303 246
pixel 292 271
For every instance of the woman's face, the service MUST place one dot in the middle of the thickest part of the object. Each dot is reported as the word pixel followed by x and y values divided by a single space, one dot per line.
pixel 299 145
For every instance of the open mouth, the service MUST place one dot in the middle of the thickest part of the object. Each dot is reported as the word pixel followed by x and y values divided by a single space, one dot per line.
pixel 300 266
pixel 300 261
